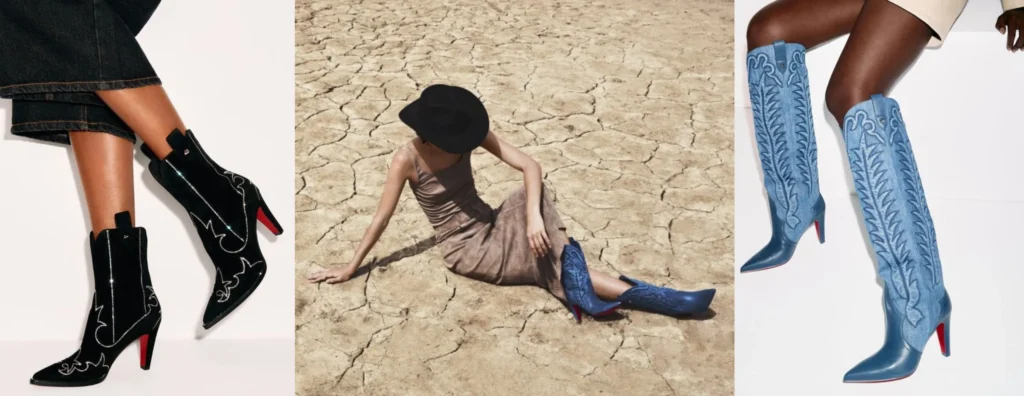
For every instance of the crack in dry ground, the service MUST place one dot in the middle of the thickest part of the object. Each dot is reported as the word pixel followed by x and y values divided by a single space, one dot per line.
pixel 628 108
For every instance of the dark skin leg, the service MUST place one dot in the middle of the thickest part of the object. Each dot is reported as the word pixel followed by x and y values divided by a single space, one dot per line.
pixel 148 112
pixel 806 22
pixel 105 166
pixel 884 43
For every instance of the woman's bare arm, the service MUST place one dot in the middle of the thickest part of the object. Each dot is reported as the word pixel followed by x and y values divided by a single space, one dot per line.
pixel 532 175
pixel 398 173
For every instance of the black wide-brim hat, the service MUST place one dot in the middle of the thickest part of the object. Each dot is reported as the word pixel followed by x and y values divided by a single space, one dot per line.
pixel 449 117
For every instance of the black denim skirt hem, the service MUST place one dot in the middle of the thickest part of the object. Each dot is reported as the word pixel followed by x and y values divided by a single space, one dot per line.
pixel 39 91
pixel 57 53
pixel 51 121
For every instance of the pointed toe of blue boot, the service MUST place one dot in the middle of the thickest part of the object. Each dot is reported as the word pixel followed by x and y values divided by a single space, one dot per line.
pixel 889 364
pixel 780 248
pixel 776 253
pixel 898 359
pixel 664 300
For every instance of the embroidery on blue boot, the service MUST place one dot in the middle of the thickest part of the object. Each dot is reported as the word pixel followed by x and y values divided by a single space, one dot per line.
pixel 902 235
pixel 784 131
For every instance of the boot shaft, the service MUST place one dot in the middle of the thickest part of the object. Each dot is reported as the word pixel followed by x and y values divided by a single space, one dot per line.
pixel 784 130
pixel 220 203
pixel 124 292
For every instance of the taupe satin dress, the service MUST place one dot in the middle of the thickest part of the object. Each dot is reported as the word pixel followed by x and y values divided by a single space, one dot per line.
pixel 483 243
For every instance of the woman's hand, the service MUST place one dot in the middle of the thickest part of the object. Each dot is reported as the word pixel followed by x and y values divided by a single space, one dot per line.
pixel 538 235
pixel 335 274
pixel 1011 23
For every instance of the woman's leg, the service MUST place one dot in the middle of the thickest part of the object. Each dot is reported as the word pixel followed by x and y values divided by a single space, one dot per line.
pixel 607 287
pixel 884 42
pixel 149 112
pixel 105 166
pixel 806 22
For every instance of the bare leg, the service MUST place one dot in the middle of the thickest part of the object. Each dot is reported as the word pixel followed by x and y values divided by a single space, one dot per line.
pixel 884 43
pixel 806 22
pixel 148 112
pixel 607 287
pixel 105 166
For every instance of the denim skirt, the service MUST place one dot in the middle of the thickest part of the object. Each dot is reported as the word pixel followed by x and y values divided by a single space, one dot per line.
pixel 54 54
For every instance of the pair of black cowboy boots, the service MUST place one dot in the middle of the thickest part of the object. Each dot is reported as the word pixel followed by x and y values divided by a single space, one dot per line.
pixel 223 206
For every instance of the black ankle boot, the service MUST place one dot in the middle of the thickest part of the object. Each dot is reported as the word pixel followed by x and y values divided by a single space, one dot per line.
pixel 224 207
pixel 124 309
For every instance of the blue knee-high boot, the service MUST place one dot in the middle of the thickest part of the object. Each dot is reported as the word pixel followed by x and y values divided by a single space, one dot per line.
pixel 579 289
pixel 901 232
pixel 784 132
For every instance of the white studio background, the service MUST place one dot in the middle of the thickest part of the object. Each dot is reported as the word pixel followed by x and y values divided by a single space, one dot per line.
pixel 228 66
pixel 801 326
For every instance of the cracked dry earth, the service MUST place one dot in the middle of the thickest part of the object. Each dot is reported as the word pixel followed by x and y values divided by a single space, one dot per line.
pixel 628 108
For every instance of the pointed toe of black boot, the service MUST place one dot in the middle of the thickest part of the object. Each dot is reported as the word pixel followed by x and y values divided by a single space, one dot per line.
pixel 63 374
pixel 231 289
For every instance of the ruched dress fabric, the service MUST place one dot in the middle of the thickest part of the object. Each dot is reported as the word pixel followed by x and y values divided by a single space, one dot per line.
pixel 484 243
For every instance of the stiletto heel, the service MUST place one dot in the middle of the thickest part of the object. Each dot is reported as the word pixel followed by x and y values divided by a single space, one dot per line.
pixel 146 345
pixel 576 313
pixel 268 220
pixel 943 332
pixel 819 227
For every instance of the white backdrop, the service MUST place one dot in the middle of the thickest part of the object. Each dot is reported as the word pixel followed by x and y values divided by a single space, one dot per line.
pixel 228 66
pixel 801 326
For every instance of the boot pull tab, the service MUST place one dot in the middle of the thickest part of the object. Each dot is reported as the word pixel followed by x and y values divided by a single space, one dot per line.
pixel 178 142
pixel 878 101
pixel 123 221
pixel 780 55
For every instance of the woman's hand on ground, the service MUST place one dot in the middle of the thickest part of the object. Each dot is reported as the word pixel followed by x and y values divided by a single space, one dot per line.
pixel 335 274
pixel 1011 23
pixel 537 234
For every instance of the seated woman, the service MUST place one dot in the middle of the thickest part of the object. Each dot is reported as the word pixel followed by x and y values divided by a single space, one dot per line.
pixel 523 241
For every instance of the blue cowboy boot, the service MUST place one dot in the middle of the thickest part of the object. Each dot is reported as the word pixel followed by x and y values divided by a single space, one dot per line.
pixel 579 290
pixel 900 228
pixel 664 300
pixel 784 132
